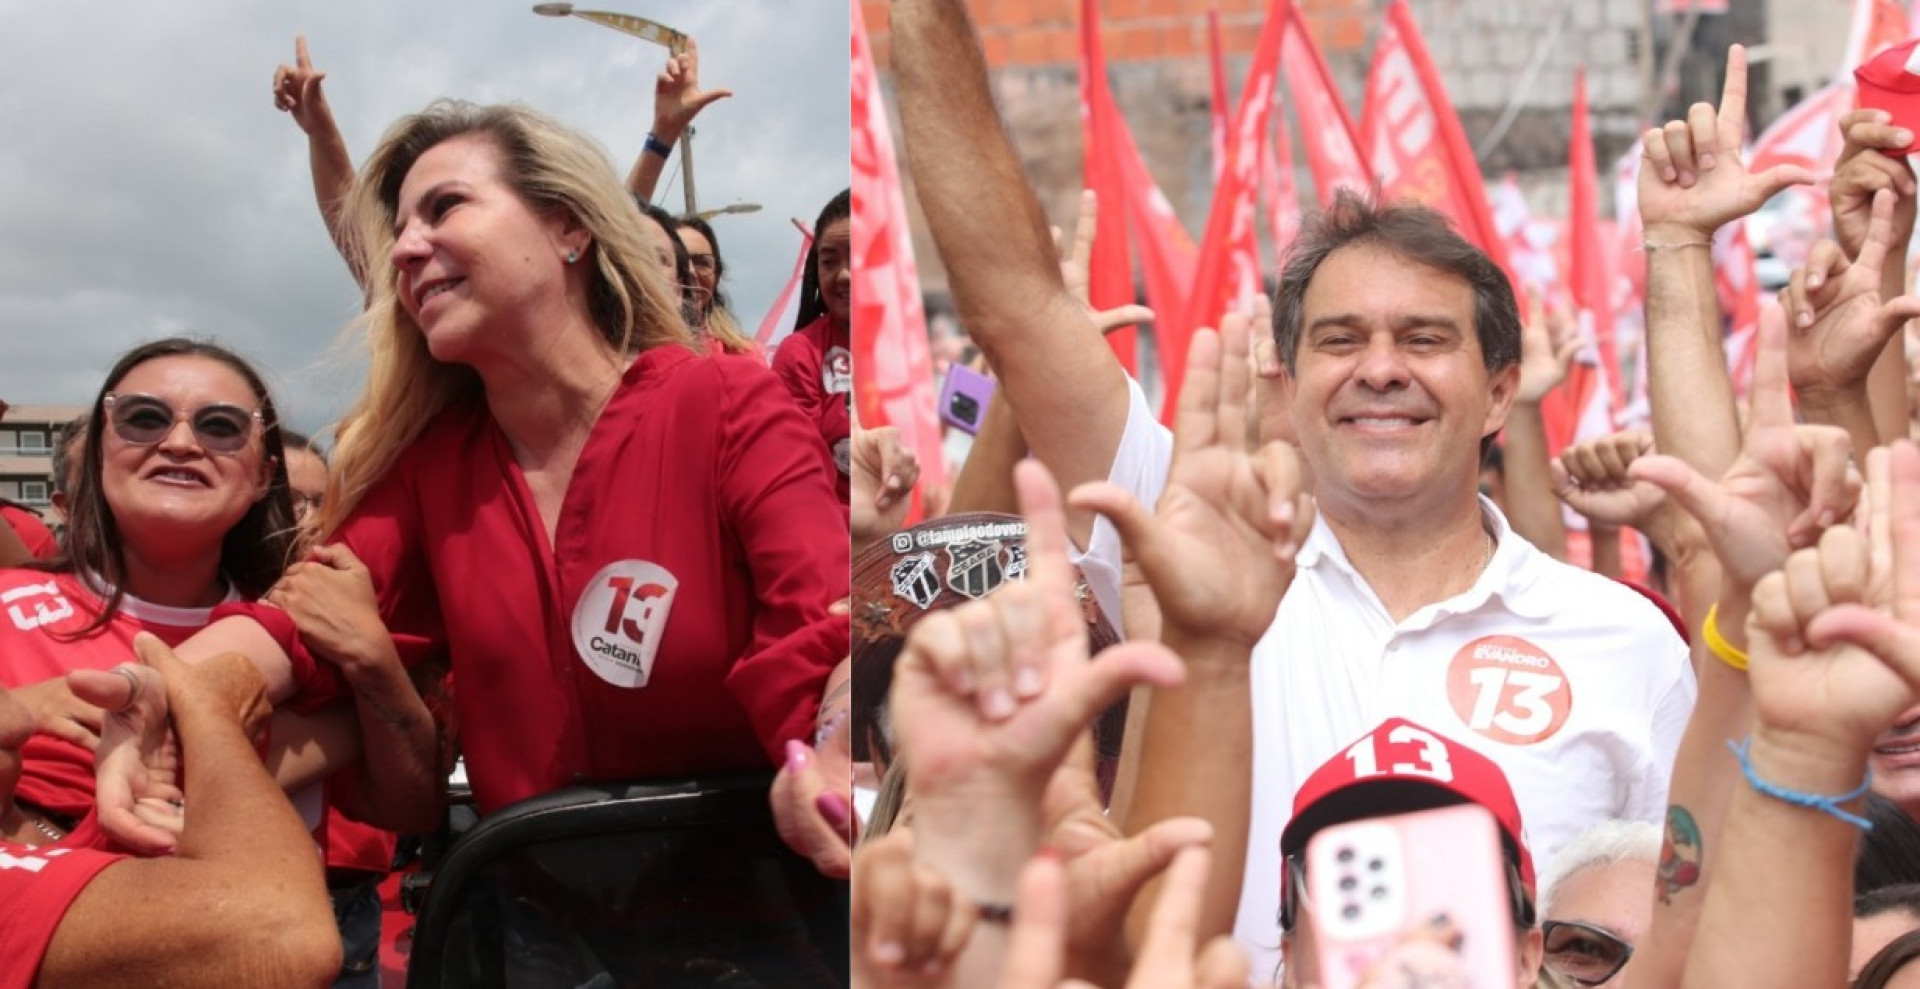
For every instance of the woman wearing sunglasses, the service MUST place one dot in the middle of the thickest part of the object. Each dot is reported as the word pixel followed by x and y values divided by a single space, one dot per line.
pixel 628 551
pixel 181 506
pixel 1595 901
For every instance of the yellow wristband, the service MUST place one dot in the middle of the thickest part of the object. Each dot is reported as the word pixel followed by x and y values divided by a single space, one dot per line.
pixel 1710 630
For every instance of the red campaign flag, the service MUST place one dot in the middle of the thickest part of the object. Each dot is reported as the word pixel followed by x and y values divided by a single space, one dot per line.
pixel 1245 251
pixel 778 322
pixel 893 372
pixel 1592 403
pixel 1808 135
pixel 1532 242
pixel 1333 150
pixel 1277 188
pixel 1229 266
pixel 1414 140
pixel 1109 271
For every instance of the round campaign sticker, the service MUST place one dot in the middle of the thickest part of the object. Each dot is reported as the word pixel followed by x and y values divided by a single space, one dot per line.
pixel 1509 690
pixel 620 618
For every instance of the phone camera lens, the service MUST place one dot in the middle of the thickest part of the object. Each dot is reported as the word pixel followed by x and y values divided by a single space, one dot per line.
pixel 1351 912
pixel 1379 892
pixel 1376 865
pixel 1348 884
pixel 1344 855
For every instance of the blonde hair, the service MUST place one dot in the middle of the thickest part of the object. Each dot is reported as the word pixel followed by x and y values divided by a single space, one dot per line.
pixel 551 167
pixel 724 328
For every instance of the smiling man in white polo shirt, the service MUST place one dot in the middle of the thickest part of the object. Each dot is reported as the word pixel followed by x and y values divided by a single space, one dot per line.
pixel 1412 597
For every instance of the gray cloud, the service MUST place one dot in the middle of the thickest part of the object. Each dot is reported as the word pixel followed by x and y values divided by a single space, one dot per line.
pixel 148 186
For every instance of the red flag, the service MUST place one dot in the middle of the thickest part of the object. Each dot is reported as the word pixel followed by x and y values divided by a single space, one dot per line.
pixel 1334 154
pixel 1277 189
pixel 1228 270
pixel 1245 251
pixel 1166 250
pixel 786 306
pixel 1414 140
pixel 893 373
pixel 1531 242
pixel 1109 272
pixel 1592 403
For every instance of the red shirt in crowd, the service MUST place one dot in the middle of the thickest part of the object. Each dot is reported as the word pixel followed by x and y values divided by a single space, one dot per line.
pixel 817 367
pixel 39 612
pixel 677 621
pixel 33 533
pixel 37 885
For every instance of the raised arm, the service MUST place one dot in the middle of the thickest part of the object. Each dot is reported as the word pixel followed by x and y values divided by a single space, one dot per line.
pixel 1772 500
pixel 677 99
pixel 330 596
pixel 244 899
pixel 1867 167
pixel 1219 556
pixel 1829 676
pixel 1547 346
pixel 296 90
pixel 1694 180
pixel 1064 385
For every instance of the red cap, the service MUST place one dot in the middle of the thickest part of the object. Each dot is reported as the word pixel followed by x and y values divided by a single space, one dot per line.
pixel 1399 768
pixel 1885 84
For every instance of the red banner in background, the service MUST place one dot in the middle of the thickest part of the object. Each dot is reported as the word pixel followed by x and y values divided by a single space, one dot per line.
pixel 778 322
pixel 893 371
pixel 1738 285
pixel 1333 150
pixel 1277 189
pixel 1228 271
pixel 1217 75
pixel 1109 271
pixel 1414 141
pixel 1591 392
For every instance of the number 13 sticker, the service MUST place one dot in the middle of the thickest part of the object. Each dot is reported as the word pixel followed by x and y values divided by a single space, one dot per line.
pixel 1509 690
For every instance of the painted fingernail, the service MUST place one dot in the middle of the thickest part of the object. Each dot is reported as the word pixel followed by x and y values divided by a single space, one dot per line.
pixel 835 809
pixel 797 755
pixel 1026 681
pixel 893 481
pixel 997 704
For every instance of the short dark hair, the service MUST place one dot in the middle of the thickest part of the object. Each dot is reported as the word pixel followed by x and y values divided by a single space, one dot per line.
pixel 1890 851
pixel 1904 897
pixel 682 264
pixel 1413 233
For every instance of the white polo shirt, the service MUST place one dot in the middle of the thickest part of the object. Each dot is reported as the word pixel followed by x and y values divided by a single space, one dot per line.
pixel 1576 685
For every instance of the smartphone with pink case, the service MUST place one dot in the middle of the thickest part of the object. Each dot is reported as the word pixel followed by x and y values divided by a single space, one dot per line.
pixel 1428 888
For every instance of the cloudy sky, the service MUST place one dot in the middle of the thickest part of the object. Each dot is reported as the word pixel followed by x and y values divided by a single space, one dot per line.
pixel 149 187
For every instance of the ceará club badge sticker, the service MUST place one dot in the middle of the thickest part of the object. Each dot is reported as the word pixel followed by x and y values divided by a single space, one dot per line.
pixel 1509 690
pixel 621 617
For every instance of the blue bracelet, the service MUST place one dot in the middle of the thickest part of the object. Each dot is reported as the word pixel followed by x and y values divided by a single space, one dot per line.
pixel 1829 805
pixel 658 147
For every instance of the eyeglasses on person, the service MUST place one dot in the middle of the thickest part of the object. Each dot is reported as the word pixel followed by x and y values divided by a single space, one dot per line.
pixel 144 420
pixel 1583 953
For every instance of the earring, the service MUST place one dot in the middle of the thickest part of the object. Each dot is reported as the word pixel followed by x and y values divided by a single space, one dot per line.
pixel 573 256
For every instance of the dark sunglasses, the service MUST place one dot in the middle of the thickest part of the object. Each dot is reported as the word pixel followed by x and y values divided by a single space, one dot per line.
pixel 1584 953
pixel 144 420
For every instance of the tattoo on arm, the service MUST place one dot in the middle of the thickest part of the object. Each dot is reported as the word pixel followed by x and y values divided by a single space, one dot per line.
pixel 1680 854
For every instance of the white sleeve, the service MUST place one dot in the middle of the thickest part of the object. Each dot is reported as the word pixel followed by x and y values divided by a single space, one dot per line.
pixel 1140 466
pixel 1647 800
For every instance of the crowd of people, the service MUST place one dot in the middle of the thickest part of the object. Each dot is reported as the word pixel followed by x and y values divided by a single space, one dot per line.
pixel 577 527
pixel 1343 635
